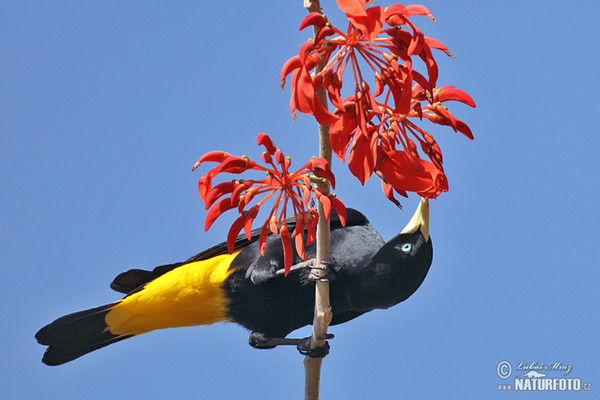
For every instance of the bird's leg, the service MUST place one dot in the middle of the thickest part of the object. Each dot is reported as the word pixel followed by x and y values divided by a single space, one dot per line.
pixel 295 267
pixel 259 340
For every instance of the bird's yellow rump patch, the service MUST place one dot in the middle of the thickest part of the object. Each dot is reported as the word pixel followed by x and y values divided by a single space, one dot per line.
pixel 185 296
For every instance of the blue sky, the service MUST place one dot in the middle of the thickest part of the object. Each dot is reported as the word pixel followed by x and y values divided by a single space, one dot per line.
pixel 104 107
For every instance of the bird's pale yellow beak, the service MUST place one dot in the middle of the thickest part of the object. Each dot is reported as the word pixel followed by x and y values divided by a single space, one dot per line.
pixel 420 220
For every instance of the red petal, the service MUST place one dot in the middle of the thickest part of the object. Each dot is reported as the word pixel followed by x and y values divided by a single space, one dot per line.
pixel 341 132
pixel 306 180
pixel 379 85
pixel 320 168
pixel 299 242
pixel 412 174
pixel 299 225
pixel 218 209
pixel 315 19
pixel 418 110
pixel 352 7
pixel 264 140
pixel 304 52
pixel 204 185
pixel 395 9
pixel 464 129
pixel 388 191
pixel 370 24
pixel 326 202
pixel 293 107
pixel 442 110
pixel 401 193
pixel 422 88
pixel 287 248
pixel 266 157
pixel 404 172
pixel 234 231
pixel 279 157
pixel 432 68
pixel 333 85
pixel 218 191
pixel 248 228
pixel 237 192
pixel 321 35
pixel 441 120
pixel 235 165
pixel 321 114
pixel 290 65
pixel 262 240
pixel 419 10
pixel 440 184
pixel 369 99
pixel 245 198
pixel 306 192
pixel 250 218
pixel 217 156
pixel 273 223
pixel 311 230
pixel 308 55
pixel 305 92
pixel 416 43
pixel 339 208
pixel 448 93
pixel 401 88
pixel 360 160
pixel 436 44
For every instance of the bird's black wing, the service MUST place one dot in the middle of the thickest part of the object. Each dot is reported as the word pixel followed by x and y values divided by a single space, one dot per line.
pixel 130 281
pixel 353 217
pixel 352 243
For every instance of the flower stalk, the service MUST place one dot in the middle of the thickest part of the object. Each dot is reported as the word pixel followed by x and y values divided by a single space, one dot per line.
pixel 322 313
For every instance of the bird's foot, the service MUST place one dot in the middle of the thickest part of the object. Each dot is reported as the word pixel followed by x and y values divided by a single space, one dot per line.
pixel 259 340
pixel 315 270
pixel 317 352
pixel 321 271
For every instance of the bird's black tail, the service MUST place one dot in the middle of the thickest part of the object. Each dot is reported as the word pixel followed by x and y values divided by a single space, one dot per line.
pixel 76 334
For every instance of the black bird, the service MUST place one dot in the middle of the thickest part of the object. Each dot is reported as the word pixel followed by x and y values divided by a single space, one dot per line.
pixel 245 287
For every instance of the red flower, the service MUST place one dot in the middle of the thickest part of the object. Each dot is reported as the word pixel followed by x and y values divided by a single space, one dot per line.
pixel 385 131
pixel 280 184
pixel 439 114
pixel 402 170
pixel 386 52
pixel 371 125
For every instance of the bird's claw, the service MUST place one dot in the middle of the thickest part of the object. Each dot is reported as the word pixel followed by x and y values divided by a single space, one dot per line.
pixel 317 352
pixel 260 341
pixel 326 276
pixel 313 275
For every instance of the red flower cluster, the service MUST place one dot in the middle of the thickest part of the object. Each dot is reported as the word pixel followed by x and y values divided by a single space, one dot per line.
pixel 280 183
pixel 374 126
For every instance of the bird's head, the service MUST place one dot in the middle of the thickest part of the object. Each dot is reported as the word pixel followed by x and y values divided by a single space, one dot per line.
pixel 412 247
pixel 401 265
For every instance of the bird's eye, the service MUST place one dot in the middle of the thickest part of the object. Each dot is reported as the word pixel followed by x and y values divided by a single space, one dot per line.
pixel 406 247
